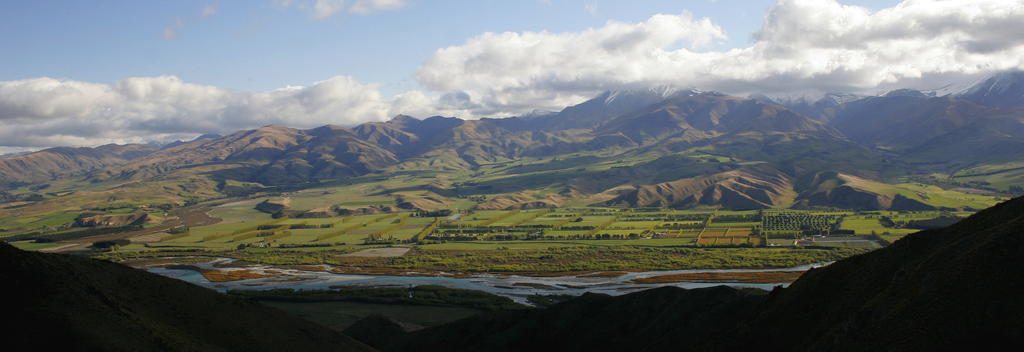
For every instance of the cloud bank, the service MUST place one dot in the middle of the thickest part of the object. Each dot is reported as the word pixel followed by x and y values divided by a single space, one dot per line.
pixel 803 45
pixel 51 112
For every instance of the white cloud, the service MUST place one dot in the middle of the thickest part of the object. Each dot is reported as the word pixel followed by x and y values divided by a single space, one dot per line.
pixel 804 45
pixel 45 112
pixel 514 72
pixel 326 8
pixel 365 7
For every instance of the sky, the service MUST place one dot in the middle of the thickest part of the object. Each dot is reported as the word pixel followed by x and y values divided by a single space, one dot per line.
pixel 86 73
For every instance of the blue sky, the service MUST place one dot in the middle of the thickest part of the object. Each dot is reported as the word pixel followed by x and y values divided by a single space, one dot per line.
pixel 255 45
pixel 94 72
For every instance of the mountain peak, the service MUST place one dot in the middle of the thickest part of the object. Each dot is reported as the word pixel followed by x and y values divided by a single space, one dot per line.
pixel 1002 89
pixel 402 119
pixel 653 93
pixel 906 93
pixel 180 142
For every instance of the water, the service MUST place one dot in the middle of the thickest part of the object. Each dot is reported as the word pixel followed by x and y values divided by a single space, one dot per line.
pixel 504 285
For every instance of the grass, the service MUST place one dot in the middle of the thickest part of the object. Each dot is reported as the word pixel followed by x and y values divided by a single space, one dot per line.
pixel 597 258
pixel 869 224
pixel 33 246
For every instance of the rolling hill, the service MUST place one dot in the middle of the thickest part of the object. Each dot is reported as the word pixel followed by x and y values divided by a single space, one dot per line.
pixel 54 163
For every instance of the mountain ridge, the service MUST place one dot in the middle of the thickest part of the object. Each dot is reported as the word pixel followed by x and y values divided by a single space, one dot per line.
pixel 882 139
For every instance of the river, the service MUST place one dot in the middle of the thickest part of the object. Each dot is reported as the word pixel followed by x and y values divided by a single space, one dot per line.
pixel 515 287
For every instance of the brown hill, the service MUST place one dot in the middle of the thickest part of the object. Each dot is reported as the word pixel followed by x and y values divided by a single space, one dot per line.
pixel 259 145
pixel 270 155
pixel 328 152
pixel 60 162
pixel 748 188
pixel 706 115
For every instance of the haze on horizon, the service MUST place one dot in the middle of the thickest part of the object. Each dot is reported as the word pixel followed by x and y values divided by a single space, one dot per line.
pixel 130 72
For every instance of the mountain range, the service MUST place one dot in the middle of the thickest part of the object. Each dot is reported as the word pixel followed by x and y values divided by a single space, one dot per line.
pixel 656 147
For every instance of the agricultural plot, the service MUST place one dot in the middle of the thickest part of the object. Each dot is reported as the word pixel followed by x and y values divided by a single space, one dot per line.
pixel 553 219
pixel 593 220
pixel 716 223
pixel 729 241
pixel 870 225
pixel 544 228
pixel 634 225
pixel 714 232
pixel 562 234
pixel 482 217
pixel 796 223
pixel 515 218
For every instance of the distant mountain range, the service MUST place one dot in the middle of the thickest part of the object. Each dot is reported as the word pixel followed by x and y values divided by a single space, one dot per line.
pixel 678 148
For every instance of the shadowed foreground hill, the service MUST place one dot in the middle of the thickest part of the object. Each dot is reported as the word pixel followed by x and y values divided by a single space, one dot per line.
pixel 64 302
pixel 956 288
pixel 952 289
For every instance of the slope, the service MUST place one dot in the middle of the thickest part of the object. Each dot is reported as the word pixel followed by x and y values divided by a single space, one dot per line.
pixel 65 161
pixel 950 289
pixel 69 302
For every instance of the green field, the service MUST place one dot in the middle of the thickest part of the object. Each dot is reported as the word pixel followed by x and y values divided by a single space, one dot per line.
pixel 547 228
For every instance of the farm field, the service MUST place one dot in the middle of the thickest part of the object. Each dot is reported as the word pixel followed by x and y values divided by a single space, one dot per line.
pixel 241 231
pixel 243 227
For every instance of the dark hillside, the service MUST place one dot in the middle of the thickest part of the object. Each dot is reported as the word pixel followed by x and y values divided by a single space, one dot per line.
pixel 61 302
pixel 666 318
pixel 955 288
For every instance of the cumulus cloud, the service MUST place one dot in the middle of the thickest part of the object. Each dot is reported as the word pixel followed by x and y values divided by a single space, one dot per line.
pixel 50 112
pixel 803 45
pixel 816 45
